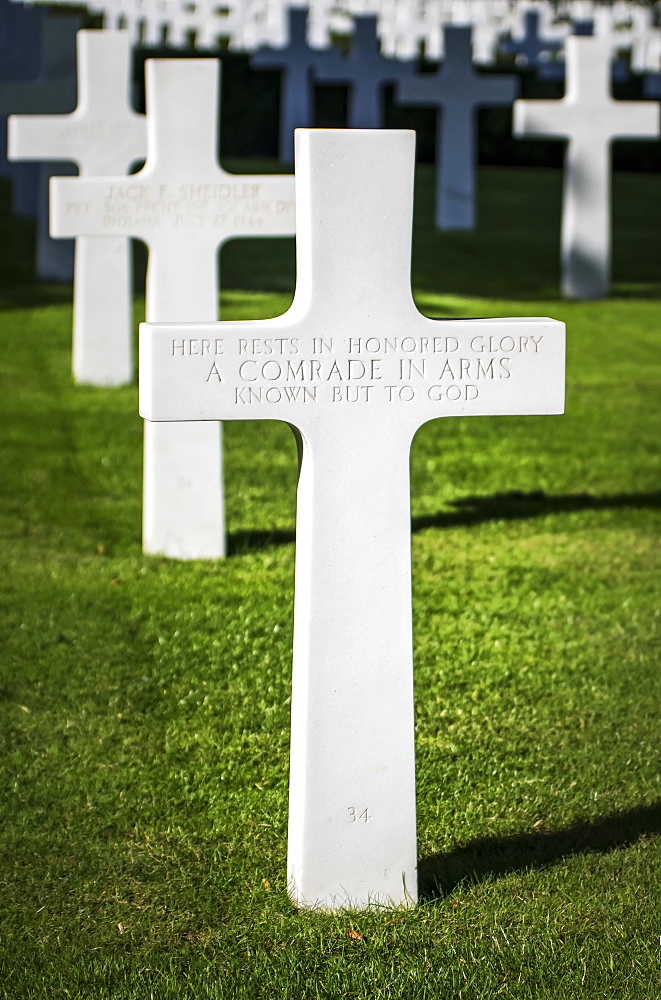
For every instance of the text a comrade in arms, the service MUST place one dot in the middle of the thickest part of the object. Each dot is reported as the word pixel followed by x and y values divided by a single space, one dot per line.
pixel 283 346
pixel 278 360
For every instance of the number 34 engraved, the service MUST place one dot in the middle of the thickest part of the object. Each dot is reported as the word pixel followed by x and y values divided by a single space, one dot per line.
pixel 354 816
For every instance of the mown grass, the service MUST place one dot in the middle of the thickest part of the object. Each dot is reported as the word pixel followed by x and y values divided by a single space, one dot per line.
pixel 144 702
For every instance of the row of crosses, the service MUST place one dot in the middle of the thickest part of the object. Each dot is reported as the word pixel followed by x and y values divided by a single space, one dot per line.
pixel 102 208
pixel 527 29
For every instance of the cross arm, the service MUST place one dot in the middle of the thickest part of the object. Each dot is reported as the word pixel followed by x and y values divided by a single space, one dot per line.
pixel 219 207
pixel 499 89
pixel 552 119
pixel 291 369
pixel 635 119
pixel 35 137
pixel 419 89
pixel 566 119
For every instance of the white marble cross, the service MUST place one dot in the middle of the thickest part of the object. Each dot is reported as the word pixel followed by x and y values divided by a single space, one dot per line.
pixel 103 136
pixel 183 205
pixel 458 91
pixel 589 119
pixel 366 71
pixel 298 63
pixel 356 369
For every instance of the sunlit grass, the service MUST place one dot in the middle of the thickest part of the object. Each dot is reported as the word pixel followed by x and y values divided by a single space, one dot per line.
pixel 144 703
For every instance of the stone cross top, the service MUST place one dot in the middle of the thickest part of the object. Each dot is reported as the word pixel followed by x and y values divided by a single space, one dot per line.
pixel 183 205
pixel 103 136
pixel 589 119
pixel 298 63
pixel 457 90
pixel 356 369
pixel 366 71
pixel 530 47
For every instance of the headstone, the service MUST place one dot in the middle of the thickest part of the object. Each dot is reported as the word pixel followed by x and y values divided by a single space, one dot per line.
pixel 103 136
pixel 530 48
pixel 457 91
pixel 357 370
pixel 298 62
pixel 589 119
pixel 366 71
pixel 183 206
pixel 52 92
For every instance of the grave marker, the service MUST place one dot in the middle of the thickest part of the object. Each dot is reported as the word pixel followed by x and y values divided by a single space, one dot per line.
pixel 183 205
pixel 298 63
pixel 357 370
pixel 531 48
pixel 589 119
pixel 457 91
pixel 366 71
pixel 103 136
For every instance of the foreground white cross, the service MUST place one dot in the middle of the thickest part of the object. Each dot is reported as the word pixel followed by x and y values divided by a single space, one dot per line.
pixel 590 120
pixel 356 369
pixel 103 136
pixel 183 205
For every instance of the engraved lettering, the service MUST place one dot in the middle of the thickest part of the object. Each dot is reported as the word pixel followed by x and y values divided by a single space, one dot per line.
pixel 356 816
pixel 405 392
pixel 452 392
pixel 352 393
pixel 407 368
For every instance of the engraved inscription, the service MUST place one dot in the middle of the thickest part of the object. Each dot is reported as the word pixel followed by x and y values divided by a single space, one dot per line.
pixel 240 206
pixel 307 371
pixel 356 815
pixel 79 134
pixel 443 370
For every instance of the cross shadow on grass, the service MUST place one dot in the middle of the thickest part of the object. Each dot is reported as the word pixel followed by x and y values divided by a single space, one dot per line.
pixel 467 511
pixel 493 857
pixel 241 542
pixel 516 505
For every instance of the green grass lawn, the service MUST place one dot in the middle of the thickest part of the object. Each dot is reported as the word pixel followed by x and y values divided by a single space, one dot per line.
pixel 144 703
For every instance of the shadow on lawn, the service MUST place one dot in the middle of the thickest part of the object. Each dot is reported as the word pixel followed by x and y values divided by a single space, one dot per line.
pixel 476 510
pixel 489 857
pixel 517 505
